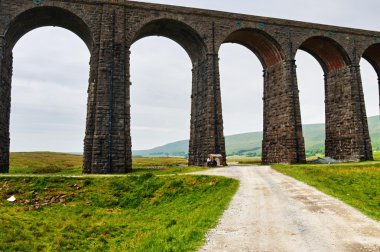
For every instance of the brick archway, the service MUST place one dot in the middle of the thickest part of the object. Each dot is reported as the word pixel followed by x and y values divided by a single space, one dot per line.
pixel 205 137
pixel 282 132
pixel 347 136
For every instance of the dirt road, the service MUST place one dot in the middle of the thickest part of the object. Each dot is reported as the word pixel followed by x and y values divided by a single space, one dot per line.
pixel 273 212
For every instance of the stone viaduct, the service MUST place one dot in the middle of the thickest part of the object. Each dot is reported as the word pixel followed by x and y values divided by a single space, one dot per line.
pixel 110 27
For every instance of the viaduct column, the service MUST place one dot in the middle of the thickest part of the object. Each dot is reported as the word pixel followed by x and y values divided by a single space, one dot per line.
pixel 206 112
pixel 6 61
pixel 347 136
pixel 282 138
pixel 107 142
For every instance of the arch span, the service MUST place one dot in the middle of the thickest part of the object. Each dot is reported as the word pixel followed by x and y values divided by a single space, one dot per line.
pixel 205 137
pixel 327 52
pixel 175 30
pixel 16 28
pixel 282 137
pixel 260 43
pixel 46 16
pixel 347 135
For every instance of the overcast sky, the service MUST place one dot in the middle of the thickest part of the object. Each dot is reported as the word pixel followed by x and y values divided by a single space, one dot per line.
pixel 51 67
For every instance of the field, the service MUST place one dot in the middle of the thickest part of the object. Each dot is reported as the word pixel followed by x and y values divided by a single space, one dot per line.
pixel 357 184
pixel 107 213
pixel 127 213
pixel 69 164
pixel 243 160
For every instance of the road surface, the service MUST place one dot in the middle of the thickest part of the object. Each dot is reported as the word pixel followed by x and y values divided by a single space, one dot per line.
pixel 273 212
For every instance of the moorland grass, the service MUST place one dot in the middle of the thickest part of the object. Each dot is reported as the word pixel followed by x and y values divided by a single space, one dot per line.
pixel 127 213
pixel 357 184
pixel 69 164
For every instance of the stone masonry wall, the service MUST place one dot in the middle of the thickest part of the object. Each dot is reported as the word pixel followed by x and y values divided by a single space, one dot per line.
pixel 5 89
pixel 206 113
pixel 347 137
pixel 282 138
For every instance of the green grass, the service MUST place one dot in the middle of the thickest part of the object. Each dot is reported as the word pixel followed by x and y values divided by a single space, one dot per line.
pixel 134 213
pixel 45 162
pixel 244 160
pixel 68 164
pixel 376 155
pixel 357 184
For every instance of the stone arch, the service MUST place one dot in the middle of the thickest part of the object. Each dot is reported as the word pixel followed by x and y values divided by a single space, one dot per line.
pixel 260 43
pixel 329 53
pixel 282 141
pixel 346 136
pixel 178 31
pixel 46 16
pixel 18 26
pixel 190 40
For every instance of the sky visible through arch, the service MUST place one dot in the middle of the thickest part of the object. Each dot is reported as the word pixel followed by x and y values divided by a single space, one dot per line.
pixel 49 92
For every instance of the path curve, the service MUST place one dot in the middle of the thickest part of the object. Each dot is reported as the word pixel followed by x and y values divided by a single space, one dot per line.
pixel 274 212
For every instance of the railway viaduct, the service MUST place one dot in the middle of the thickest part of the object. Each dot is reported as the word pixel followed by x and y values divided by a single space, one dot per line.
pixel 110 27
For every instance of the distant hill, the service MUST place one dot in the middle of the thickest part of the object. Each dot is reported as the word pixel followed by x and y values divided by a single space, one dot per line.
pixel 250 143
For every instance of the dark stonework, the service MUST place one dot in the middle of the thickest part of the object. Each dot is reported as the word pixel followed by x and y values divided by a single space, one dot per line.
pixel 347 137
pixel 282 140
pixel 5 89
pixel 109 28
pixel 206 112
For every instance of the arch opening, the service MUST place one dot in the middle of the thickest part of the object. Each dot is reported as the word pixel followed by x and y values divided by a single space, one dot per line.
pixel 370 75
pixel 311 96
pixel 269 54
pixel 42 118
pixel 177 31
pixel 327 52
pixel 19 26
pixel 160 97
pixel 260 43
pixel 241 77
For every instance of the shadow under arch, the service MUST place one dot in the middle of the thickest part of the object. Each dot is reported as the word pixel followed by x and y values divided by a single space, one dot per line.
pixel 46 16
pixel 260 43
pixel 329 53
pixel 177 31
pixel 372 55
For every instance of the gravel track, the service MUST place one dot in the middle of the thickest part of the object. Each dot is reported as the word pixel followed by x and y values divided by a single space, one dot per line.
pixel 273 212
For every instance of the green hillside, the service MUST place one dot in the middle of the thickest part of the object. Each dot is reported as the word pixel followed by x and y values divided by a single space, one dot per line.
pixel 249 144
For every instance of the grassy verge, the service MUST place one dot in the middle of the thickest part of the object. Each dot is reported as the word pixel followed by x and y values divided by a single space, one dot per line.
pixel 145 213
pixel 68 164
pixel 244 160
pixel 357 184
